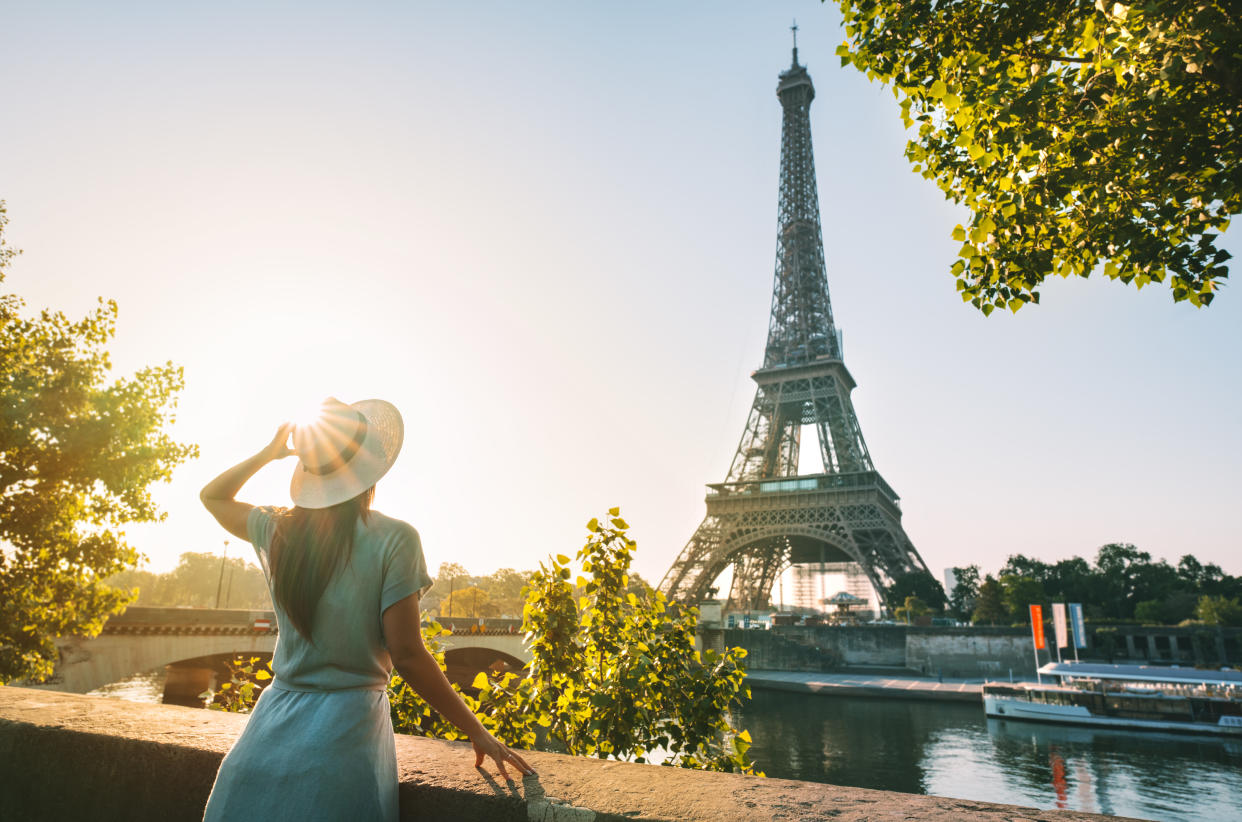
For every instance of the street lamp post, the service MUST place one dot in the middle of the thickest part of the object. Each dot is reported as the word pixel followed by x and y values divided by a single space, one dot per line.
pixel 220 581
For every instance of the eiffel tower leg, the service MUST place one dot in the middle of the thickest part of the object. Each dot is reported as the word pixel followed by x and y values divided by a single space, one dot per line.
pixel 691 573
pixel 885 551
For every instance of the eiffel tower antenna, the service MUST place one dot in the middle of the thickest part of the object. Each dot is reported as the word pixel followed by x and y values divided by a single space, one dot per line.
pixel 794 29
pixel 766 516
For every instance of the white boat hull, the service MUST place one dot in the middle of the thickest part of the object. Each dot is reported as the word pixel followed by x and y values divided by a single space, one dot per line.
pixel 1000 707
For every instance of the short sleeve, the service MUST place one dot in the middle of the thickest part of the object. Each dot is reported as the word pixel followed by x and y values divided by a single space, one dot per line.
pixel 405 569
pixel 260 528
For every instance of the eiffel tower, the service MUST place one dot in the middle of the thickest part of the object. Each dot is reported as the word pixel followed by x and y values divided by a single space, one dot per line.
pixel 766 516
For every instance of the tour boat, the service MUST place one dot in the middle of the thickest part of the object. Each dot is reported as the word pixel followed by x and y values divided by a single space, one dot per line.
pixel 1186 700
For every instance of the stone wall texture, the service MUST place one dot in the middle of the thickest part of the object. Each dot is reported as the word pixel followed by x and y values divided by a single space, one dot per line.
pixel 972 652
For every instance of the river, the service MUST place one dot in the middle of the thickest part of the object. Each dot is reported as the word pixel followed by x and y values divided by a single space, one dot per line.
pixel 951 749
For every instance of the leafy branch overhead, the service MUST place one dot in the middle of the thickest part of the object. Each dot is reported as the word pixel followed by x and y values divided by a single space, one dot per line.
pixel 1079 133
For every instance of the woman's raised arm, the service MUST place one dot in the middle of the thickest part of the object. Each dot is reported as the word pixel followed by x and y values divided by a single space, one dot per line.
pixel 218 495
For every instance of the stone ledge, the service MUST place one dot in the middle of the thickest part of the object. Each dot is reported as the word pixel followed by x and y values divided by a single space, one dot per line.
pixel 69 757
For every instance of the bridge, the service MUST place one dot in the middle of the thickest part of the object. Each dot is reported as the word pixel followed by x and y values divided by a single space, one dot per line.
pixel 195 642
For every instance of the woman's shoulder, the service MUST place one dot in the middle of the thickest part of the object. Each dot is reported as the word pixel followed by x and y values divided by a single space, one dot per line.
pixel 385 526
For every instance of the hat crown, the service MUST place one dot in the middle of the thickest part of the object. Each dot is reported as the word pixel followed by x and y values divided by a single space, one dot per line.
pixel 329 442
pixel 345 451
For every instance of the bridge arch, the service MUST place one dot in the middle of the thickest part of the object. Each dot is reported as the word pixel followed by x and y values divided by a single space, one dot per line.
pixel 87 664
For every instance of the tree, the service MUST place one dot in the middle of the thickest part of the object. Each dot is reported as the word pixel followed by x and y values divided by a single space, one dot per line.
pixel 77 455
pixel 469 602
pixel 1150 612
pixel 1117 565
pixel 450 577
pixel 1077 133
pixel 911 610
pixel 1019 594
pixel 614 674
pixel 991 605
pixel 965 591
pixel 505 588
pixel 1219 611
pixel 195 581
pixel 920 584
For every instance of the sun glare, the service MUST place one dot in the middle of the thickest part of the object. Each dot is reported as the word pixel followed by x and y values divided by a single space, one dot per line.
pixel 307 414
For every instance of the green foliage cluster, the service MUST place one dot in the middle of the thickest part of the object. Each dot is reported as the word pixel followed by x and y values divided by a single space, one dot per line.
pixel 965 593
pixel 458 593
pixel 1219 610
pixel 614 672
pixel 990 603
pixel 1077 133
pixel 911 610
pixel 78 452
pixel 1124 583
pixel 471 602
pixel 194 582
pixel 920 584
pixel 499 593
pixel 248 676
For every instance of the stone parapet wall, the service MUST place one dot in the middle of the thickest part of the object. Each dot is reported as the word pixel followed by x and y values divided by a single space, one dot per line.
pixel 972 652
pixel 71 758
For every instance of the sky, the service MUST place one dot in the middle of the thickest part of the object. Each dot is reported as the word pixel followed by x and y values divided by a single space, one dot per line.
pixel 546 232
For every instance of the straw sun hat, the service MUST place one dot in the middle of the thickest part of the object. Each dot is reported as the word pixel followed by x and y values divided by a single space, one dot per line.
pixel 344 451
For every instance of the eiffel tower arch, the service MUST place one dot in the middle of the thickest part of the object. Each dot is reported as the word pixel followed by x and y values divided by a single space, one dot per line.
pixel 766 516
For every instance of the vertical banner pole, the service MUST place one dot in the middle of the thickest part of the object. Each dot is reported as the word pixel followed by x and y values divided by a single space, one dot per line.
pixel 1037 636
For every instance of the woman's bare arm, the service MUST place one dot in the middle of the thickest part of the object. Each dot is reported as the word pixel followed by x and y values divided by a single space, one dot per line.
pixel 404 635
pixel 218 495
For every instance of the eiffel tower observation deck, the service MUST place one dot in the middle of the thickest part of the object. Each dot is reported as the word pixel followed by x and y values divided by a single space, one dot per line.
pixel 766 516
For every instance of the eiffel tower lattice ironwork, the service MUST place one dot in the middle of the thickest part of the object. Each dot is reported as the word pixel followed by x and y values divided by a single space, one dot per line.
pixel 766 516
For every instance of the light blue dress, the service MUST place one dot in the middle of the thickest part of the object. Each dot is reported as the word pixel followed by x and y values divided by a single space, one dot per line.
pixel 319 743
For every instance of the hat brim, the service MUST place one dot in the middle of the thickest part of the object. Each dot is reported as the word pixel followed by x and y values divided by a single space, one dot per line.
pixel 376 454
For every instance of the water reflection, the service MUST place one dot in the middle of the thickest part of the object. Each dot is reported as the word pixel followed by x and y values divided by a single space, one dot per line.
pixel 950 749
pixel 147 686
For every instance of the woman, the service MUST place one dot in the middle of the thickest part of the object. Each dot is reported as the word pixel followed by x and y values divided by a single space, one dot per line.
pixel 345 583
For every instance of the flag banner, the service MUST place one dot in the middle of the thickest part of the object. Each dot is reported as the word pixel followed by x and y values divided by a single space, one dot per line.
pixel 1037 627
pixel 1058 624
pixel 1080 626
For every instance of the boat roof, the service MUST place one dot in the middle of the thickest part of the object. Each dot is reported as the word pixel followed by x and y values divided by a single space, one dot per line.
pixel 1142 673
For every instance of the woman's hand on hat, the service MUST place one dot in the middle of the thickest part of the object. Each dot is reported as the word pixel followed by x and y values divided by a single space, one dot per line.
pixel 279 448
pixel 487 745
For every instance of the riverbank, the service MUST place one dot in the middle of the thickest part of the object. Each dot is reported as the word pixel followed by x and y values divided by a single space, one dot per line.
pixel 882 686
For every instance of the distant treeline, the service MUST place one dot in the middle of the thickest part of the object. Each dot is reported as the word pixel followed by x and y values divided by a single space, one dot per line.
pixel 194 582
pixel 197 577
pixel 1123 584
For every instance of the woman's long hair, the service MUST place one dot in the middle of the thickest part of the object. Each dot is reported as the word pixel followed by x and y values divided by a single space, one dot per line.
pixel 309 546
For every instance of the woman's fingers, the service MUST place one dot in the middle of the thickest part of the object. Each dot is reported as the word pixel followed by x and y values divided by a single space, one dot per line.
pixel 499 754
pixel 500 762
pixel 279 447
pixel 521 763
